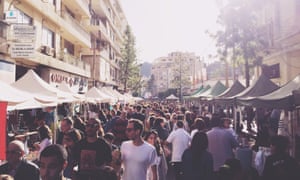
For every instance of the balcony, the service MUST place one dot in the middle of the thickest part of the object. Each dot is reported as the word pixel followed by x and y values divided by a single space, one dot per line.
pixel 70 29
pixel 81 7
pixel 76 27
pixel 67 63
pixel 96 25
pixel 101 9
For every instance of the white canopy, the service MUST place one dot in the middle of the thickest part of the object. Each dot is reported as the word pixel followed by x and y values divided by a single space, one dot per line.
pixel 113 93
pixel 66 88
pixel 172 97
pixel 31 104
pixel 97 95
pixel 12 95
pixel 18 99
pixel 41 90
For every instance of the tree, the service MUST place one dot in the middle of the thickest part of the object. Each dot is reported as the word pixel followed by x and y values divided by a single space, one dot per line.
pixel 151 85
pixel 129 69
pixel 241 35
pixel 181 77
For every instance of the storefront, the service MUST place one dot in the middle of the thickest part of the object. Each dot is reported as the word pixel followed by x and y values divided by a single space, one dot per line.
pixel 78 84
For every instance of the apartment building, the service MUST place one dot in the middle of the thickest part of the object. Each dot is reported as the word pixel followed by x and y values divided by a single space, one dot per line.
pixel 178 69
pixel 280 24
pixel 60 41
pixel 107 27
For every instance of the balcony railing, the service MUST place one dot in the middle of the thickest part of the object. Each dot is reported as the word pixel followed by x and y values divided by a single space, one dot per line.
pixel 80 6
pixel 75 24
pixel 69 28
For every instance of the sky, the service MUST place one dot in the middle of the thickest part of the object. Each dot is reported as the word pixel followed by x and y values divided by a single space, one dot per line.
pixel 164 26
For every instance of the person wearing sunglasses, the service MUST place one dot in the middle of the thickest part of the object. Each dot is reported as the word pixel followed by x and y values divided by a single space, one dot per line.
pixel 92 152
pixel 16 165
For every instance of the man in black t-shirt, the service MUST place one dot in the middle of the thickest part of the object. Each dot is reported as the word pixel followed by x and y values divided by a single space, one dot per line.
pixel 280 165
pixel 92 152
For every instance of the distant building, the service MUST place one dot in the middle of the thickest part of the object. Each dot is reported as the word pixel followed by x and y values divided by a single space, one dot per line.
pixel 178 69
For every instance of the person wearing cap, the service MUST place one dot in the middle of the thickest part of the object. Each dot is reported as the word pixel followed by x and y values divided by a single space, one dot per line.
pixel 17 166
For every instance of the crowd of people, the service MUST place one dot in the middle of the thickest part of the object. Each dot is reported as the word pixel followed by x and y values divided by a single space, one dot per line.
pixel 150 141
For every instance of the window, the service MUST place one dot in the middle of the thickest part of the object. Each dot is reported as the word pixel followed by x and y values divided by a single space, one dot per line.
pixel 48 37
pixel 52 2
pixel 70 47
pixel 23 18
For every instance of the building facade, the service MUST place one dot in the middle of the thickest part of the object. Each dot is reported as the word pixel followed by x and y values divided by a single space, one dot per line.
pixel 56 38
pixel 178 70
pixel 279 21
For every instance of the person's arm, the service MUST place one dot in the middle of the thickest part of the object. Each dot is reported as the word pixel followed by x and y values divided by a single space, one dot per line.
pixel 154 172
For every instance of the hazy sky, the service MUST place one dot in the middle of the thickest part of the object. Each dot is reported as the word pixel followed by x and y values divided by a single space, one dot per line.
pixel 164 26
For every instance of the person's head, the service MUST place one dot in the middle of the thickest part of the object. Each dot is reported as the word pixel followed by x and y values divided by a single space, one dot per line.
pixel 92 127
pixel 53 160
pixel 226 122
pixel 180 117
pixel 174 117
pixel 179 124
pixel 138 108
pixel 15 152
pixel 45 132
pixel 279 144
pixel 113 112
pixel 134 129
pixel 159 122
pixel 66 124
pixel 109 137
pixel 199 124
pixel 151 136
pixel 167 116
pixel 71 137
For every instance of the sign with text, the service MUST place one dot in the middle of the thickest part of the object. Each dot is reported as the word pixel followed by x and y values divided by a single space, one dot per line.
pixel 22 50
pixel 11 16
pixel 24 32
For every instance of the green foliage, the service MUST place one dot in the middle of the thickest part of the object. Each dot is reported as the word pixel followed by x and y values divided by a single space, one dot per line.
pixel 151 85
pixel 129 69
pixel 241 37
pixel 181 76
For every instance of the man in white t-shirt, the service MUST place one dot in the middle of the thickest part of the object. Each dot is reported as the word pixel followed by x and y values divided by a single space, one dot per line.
pixel 136 154
pixel 180 140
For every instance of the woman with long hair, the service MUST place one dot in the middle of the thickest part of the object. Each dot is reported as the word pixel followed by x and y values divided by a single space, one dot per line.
pixel 45 136
pixel 152 138
pixel 197 162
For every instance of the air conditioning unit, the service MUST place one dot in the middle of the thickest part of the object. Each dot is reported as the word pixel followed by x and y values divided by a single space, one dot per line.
pixel 47 50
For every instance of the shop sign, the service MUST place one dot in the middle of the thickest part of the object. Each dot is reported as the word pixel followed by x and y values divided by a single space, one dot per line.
pixel 22 50
pixel 59 78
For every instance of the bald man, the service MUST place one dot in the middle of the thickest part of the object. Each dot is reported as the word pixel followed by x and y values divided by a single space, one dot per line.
pixel 16 165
